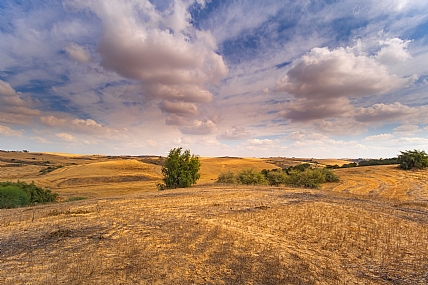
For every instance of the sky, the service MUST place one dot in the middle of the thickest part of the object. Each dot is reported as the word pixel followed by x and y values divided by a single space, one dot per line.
pixel 321 79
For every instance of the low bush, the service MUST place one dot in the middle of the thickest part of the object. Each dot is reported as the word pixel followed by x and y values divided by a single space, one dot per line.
pixel 49 169
pixel 276 178
pixel 296 176
pixel 349 165
pixel 310 178
pixel 250 177
pixel 300 167
pixel 227 178
pixel 12 197
pixel 329 176
pixel 384 161
pixel 36 194
pixel 76 198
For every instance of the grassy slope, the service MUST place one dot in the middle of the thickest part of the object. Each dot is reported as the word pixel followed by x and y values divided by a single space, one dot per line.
pixel 218 235
pixel 212 167
pixel 371 228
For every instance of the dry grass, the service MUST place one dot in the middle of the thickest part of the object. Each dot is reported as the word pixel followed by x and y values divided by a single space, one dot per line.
pixel 370 228
pixel 332 161
pixel 89 176
pixel 217 235
pixel 212 167
pixel 386 181
pixel 101 176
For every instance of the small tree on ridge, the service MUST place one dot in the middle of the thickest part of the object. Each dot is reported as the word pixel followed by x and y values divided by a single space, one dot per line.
pixel 180 170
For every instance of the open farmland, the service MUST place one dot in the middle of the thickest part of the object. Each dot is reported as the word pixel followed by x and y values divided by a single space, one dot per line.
pixel 386 181
pixel 370 228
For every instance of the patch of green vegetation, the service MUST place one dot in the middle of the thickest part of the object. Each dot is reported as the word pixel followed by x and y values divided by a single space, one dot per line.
pixel 50 169
pixel 36 194
pixel 251 177
pixel 410 159
pixel 302 175
pixel 76 198
pixel 227 178
pixel 13 197
pixel 367 162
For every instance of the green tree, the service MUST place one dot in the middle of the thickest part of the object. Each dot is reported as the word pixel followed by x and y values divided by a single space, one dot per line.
pixel 180 169
pixel 413 159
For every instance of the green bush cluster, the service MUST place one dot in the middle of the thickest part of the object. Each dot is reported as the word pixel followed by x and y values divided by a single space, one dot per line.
pixel 12 197
pixel 50 169
pixel 14 194
pixel 367 162
pixel 298 176
pixel 251 177
pixel 310 177
pixel 227 178
pixel 382 161
pixel 245 176
pixel 410 159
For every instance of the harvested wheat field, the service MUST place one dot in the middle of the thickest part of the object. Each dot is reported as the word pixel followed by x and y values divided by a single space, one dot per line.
pixel 84 176
pixel 386 181
pixel 369 228
pixel 211 167
pixel 218 235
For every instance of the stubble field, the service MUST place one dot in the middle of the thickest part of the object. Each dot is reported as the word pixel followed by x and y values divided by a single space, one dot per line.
pixel 370 228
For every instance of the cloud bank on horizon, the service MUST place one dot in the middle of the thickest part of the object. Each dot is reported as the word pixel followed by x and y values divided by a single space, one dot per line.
pixel 242 78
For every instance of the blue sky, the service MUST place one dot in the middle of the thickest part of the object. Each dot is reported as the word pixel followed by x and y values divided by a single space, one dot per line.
pixel 239 78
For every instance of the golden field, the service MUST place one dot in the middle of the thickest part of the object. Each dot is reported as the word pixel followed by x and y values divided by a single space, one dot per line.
pixel 370 228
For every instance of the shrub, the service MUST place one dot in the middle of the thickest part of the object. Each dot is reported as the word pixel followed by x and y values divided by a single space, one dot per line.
pixel 300 168
pixel 276 178
pixel 49 169
pixel 227 178
pixel 310 178
pixel 384 161
pixel 329 176
pixel 250 177
pixel 349 165
pixel 336 166
pixel 37 194
pixel 180 169
pixel 75 198
pixel 413 159
pixel 12 197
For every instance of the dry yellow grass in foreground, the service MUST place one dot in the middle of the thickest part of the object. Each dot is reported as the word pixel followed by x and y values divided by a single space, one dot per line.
pixel 218 235
pixel 370 228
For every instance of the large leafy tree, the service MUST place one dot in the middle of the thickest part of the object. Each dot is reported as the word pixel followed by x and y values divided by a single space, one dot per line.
pixel 413 159
pixel 180 169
